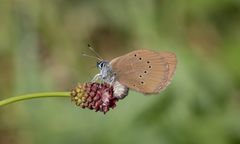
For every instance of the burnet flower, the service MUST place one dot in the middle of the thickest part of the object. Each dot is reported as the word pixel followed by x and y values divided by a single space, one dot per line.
pixel 98 96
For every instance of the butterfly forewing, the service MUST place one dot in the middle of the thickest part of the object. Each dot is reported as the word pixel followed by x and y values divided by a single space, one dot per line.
pixel 144 70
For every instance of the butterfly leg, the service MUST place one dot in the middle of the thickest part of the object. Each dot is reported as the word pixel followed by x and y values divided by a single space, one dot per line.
pixel 96 77
pixel 112 80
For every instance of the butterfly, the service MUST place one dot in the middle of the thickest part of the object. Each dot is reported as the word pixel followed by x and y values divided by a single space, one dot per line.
pixel 142 70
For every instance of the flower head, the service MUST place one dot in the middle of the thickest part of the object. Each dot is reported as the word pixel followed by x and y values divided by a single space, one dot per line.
pixel 97 96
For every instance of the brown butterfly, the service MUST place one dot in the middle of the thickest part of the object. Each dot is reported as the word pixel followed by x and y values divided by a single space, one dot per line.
pixel 145 71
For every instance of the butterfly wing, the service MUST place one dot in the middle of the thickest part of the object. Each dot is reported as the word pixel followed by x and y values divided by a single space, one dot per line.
pixel 144 70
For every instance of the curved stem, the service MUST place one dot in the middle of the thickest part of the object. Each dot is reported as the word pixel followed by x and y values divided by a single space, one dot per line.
pixel 33 96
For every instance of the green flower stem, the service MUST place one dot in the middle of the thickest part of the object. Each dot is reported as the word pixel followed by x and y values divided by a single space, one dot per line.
pixel 33 96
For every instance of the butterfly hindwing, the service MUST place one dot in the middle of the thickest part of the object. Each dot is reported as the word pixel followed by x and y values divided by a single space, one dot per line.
pixel 144 70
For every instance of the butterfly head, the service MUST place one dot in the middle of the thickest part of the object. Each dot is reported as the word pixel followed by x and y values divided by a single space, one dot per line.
pixel 102 64
pixel 106 74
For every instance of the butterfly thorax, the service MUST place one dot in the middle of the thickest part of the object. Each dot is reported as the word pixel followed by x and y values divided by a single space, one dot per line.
pixel 106 73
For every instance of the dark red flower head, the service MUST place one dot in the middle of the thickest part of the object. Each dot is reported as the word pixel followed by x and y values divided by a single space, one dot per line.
pixel 97 96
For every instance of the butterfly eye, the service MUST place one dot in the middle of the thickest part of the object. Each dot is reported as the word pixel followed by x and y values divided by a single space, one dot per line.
pixel 100 64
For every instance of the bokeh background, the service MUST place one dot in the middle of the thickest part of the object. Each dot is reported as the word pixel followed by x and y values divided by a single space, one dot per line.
pixel 40 50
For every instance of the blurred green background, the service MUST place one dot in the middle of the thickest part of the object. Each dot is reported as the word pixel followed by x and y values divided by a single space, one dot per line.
pixel 40 50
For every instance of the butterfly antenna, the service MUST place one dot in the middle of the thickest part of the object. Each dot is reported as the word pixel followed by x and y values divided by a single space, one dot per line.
pixel 96 54
pixel 86 55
